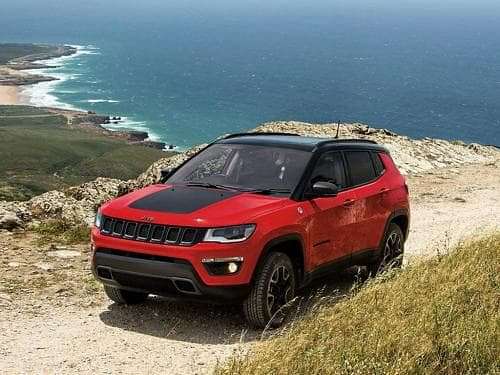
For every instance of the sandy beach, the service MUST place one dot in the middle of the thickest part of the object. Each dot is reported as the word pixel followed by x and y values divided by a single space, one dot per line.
pixel 9 95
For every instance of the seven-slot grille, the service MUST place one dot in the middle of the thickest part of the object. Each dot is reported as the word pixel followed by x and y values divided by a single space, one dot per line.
pixel 147 232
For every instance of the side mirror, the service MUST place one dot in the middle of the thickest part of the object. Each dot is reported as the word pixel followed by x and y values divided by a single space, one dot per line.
pixel 324 189
pixel 165 174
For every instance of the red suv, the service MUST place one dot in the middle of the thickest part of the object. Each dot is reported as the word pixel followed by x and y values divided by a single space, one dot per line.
pixel 252 218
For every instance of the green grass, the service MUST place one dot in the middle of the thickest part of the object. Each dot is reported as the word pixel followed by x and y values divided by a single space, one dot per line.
pixel 123 162
pixel 38 154
pixel 21 110
pixel 441 316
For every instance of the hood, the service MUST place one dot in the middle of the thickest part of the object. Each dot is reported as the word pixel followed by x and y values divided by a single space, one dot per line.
pixel 191 206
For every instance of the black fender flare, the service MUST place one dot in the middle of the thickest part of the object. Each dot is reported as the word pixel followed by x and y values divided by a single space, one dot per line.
pixel 276 242
pixel 397 213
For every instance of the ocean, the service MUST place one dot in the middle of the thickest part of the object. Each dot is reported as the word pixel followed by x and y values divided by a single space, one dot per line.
pixel 189 71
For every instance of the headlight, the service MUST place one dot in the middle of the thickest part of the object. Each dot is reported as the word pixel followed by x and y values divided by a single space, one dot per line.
pixel 237 233
pixel 98 219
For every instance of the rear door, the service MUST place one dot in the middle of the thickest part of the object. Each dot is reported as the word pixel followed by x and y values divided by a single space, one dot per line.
pixel 332 222
pixel 364 175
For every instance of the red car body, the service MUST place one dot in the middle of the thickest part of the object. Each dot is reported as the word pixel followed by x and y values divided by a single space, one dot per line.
pixel 324 232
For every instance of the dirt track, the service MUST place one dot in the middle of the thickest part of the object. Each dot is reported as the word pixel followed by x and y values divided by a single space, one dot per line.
pixel 60 324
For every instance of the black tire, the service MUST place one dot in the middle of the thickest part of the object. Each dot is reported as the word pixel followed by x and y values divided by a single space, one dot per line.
pixel 273 288
pixel 391 251
pixel 124 297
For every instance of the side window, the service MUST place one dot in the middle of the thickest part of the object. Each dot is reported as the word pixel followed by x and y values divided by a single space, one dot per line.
pixel 330 166
pixel 377 163
pixel 360 167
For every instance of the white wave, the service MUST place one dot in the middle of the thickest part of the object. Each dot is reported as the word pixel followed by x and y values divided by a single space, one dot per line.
pixel 40 95
pixel 87 47
pixel 87 52
pixel 101 101
pixel 129 123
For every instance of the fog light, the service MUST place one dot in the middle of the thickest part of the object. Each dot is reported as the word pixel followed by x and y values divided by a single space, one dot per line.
pixel 223 266
pixel 232 267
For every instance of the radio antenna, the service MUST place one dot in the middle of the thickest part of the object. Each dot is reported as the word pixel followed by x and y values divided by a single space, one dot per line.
pixel 338 128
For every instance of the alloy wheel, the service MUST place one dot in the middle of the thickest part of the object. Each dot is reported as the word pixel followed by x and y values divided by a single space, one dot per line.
pixel 392 249
pixel 279 292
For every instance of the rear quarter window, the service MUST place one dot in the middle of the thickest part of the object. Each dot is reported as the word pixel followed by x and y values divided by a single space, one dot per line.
pixel 360 167
pixel 377 163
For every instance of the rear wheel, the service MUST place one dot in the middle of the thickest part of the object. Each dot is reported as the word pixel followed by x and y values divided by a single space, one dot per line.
pixel 391 252
pixel 273 289
pixel 124 297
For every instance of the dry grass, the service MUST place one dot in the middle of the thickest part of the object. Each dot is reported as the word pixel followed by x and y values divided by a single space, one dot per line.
pixel 441 316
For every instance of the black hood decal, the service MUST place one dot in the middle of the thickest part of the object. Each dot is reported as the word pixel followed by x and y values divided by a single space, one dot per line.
pixel 181 199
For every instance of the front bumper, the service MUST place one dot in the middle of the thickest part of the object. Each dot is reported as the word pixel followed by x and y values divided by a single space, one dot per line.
pixel 192 255
pixel 159 275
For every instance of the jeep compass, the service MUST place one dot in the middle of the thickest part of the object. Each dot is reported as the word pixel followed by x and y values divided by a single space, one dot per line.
pixel 251 219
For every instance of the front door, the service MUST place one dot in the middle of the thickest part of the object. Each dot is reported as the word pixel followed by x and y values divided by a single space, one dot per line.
pixel 332 219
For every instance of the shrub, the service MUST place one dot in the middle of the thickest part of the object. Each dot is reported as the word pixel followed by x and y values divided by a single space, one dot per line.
pixel 62 232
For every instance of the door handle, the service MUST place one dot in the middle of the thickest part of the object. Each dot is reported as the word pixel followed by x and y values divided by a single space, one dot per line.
pixel 384 190
pixel 348 202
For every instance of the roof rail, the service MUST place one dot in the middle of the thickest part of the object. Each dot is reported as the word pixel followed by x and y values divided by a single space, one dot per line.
pixel 346 140
pixel 236 135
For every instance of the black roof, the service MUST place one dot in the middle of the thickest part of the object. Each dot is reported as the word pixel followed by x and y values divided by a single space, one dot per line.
pixel 296 141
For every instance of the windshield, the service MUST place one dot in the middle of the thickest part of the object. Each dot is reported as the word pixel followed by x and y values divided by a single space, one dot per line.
pixel 245 167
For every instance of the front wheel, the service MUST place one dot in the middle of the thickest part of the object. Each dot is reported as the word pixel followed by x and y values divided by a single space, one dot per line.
pixel 124 297
pixel 391 251
pixel 273 289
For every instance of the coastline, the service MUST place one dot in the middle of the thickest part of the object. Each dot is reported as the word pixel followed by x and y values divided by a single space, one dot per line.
pixel 39 93
pixel 30 80
pixel 22 72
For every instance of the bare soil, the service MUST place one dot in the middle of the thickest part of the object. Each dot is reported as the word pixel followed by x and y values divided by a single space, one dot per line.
pixel 54 317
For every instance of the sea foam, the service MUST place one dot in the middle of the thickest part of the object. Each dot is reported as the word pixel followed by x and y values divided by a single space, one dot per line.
pixel 128 123
pixel 101 101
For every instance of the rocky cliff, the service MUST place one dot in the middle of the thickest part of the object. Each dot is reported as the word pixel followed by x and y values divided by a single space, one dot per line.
pixel 78 204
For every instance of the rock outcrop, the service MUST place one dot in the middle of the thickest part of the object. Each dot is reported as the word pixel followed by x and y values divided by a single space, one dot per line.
pixel 76 118
pixel 152 144
pixel 9 220
pixel 74 205
pixel 78 204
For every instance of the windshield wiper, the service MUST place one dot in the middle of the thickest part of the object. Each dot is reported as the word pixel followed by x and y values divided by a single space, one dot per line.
pixel 208 185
